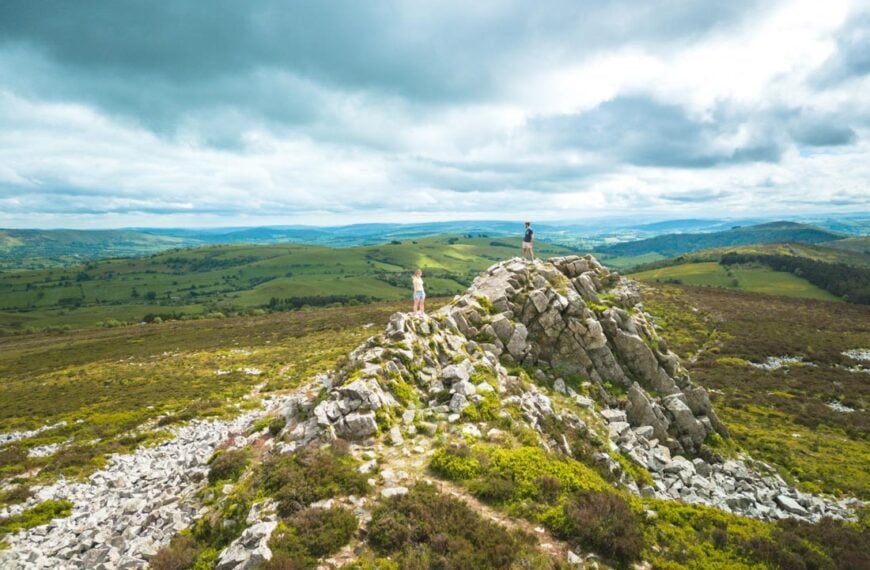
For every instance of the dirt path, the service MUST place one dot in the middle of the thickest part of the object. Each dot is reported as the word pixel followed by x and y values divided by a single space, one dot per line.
pixel 405 464
pixel 547 542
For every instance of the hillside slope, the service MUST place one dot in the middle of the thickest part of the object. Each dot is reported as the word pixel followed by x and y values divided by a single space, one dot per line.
pixel 39 249
pixel 238 279
pixel 671 245
pixel 544 394
pixel 794 270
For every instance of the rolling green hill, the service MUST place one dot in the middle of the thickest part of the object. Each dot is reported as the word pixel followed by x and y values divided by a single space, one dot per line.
pixel 798 270
pixel 672 245
pixel 823 252
pixel 756 279
pixel 855 244
pixel 41 249
pixel 242 278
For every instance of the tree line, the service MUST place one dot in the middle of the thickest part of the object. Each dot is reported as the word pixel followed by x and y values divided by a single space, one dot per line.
pixel 850 282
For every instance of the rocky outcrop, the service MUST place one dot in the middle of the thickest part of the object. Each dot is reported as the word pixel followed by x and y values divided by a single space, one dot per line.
pixel 743 486
pixel 569 314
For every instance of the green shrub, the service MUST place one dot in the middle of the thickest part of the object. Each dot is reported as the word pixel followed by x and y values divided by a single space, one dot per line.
pixel 180 554
pixel 425 529
pixel 72 459
pixel 800 545
pixel 403 392
pixel 300 540
pixel 486 304
pixel 276 425
pixel 228 465
pixel 527 466
pixel 16 495
pixel 485 411
pixel 493 488
pixel 455 462
pixel 604 522
pixel 35 516
pixel 299 479
pixel 12 459
pixel 223 525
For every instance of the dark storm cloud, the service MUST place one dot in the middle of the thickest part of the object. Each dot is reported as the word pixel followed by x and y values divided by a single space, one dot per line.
pixel 645 132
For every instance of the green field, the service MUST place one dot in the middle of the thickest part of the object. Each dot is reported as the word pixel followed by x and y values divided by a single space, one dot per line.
pixel 779 416
pixel 239 279
pixel 855 244
pixel 756 279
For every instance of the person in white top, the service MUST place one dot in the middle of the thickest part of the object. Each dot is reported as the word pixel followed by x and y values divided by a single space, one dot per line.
pixel 419 293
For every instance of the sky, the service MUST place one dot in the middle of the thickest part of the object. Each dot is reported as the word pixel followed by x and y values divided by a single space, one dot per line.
pixel 121 113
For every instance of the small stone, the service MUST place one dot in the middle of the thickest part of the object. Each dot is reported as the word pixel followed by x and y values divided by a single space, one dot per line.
pixel 471 430
pixel 613 415
pixel 790 505
pixel 396 436
pixel 458 403
pixel 394 492
pixel 584 401
pixel 464 387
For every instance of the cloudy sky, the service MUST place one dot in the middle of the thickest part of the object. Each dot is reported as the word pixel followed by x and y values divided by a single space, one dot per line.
pixel 190 113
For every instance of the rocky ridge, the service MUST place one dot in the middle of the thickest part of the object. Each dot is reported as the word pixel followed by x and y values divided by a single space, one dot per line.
pixel 562 346
pixel 567 317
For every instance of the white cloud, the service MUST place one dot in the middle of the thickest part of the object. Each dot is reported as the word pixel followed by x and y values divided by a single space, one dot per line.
pixel 726 116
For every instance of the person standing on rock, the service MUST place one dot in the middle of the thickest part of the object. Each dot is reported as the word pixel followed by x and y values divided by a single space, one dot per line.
pixel 419 292
pixel 528 240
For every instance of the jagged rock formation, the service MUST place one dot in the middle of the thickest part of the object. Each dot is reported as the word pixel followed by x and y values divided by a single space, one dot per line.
pixel 569 315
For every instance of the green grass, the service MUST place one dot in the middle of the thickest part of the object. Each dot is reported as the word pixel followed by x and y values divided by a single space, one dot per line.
pixel 622 262
pixel 859 245
pixel 756 279
pixel 778 416
pixel 239 278
pixel 35 516
pixel 116 380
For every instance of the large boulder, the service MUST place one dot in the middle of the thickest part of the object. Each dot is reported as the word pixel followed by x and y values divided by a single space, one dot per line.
pixel 357 425
pixel 251 550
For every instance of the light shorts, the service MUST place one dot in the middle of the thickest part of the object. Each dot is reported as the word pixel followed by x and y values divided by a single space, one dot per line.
pixel 527 245
pixel 419 295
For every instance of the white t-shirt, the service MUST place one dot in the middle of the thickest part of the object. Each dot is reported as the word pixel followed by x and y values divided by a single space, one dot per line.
pixel 418 283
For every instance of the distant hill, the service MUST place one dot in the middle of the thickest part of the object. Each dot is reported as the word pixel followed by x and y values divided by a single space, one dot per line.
pixel 825 252
pixel 794 269
pixel 36 249
pixel 671 245
pixel 234 279
pixel 43 249
pixel 856 244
